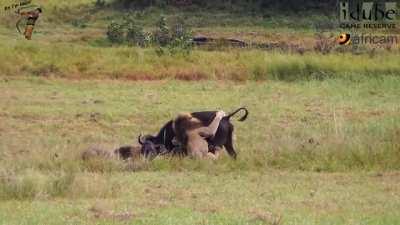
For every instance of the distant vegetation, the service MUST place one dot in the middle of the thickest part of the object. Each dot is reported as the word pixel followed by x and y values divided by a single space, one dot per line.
pixel 98 40
pixel 135 63
pixel 174 37
pixel 289 6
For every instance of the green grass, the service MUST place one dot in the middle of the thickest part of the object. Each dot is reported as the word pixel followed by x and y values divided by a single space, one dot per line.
pixel 214 198
pixel 331 125
pixel 77 61
pixel 323 148
pixel 353 125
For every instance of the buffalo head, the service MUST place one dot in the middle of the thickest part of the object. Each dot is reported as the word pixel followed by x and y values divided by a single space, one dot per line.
pixel 150 148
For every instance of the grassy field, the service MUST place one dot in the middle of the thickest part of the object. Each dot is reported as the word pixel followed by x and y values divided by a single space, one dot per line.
pixel 60 60
pixel 321 144
pixel 332 125
pixel 207 198
pixel 326 152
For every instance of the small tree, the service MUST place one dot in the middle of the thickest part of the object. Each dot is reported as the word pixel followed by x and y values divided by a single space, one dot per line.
pixel 100 3
pixel 134 32
pixel 162 34
pixel 115 32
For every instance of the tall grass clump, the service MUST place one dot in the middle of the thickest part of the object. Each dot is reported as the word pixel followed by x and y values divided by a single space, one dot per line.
pixel 154 63
pixel 60 184
pixel 101 165
pixel 316 66
pixel 291 68
pixel 32 184
pixel 21 188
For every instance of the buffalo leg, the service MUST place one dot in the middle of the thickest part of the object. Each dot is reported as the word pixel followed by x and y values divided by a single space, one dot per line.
pixel 229 144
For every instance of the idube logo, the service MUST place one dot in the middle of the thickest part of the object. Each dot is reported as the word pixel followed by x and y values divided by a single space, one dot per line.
pixel 371 14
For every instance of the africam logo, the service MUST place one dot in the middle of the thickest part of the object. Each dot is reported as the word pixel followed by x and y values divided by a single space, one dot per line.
pixel 357 39
pixel 344 39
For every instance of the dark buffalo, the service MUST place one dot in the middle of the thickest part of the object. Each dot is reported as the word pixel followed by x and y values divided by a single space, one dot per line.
pixel 162 143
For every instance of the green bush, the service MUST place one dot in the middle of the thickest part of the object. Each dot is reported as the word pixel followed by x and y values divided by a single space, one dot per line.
pixel 100 3
pixel 135 35
pixel 115 32
pixel 173 38
pixel 133 32
pixel 161 35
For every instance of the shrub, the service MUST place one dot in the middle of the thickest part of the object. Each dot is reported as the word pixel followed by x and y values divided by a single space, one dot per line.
pixel 135 34
pixel 176 38
pixel 100 3
pixel 181 35
pixel 171 39
pixel 162 36
pixel 115 32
